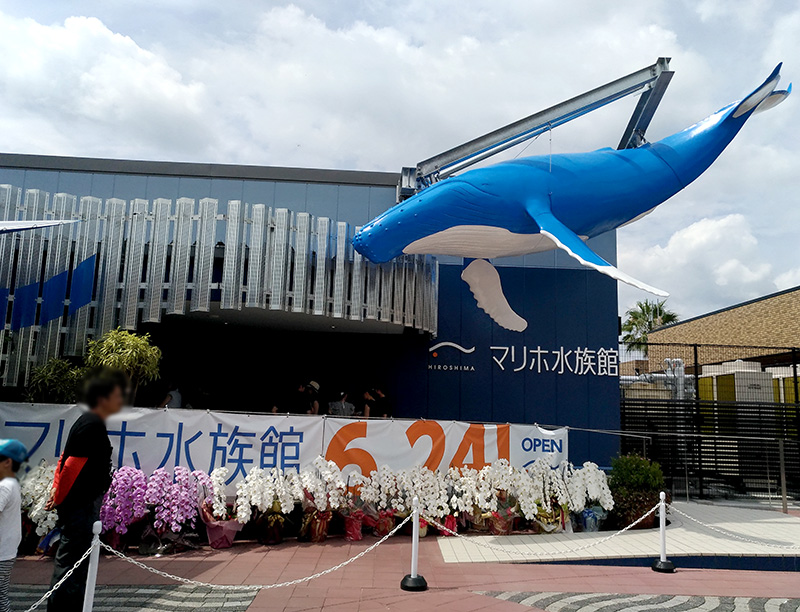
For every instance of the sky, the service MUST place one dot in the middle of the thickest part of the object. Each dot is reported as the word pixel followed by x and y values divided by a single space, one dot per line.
pixel 382 84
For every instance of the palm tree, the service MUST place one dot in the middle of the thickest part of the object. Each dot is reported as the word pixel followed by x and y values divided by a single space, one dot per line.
pixel 641 320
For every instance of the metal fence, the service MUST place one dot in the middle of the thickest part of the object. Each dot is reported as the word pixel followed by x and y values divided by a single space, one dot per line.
pixel 722 421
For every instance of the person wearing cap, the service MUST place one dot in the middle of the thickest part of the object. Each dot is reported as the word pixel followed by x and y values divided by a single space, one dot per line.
pixel 12 454
pixel 83 475
pixel 312 389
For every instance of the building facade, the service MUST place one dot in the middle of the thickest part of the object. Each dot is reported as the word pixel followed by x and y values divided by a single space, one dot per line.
pixel 246 278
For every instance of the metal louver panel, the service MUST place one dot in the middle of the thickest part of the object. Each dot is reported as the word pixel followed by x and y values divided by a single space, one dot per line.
pixel 340 273
pixel 9 203
pixel 112 255
pixel 387 289
pixel 255 267
pixel 399 270
pixel 301 251
pixel 204 255
pixel 181 251
pixel 373 290
pixel 231 279
pixel 88 238
pixel 159 238
pixel 279 258
pixel 266 272
pixel 134 258
pixel 357 287
pixel 29 265
pixel 321 272
pixel 58 252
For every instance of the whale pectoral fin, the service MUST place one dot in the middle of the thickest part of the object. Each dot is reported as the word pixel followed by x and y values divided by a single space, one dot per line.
pixel 484 282
pixel 569 241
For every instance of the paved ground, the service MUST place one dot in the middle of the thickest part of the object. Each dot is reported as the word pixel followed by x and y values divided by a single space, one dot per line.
pixel 684 537
pixel 372 583
pixel 145 598
pixel 611 602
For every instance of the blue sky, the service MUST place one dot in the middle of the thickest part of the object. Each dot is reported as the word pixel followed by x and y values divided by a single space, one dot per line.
pixel 375 84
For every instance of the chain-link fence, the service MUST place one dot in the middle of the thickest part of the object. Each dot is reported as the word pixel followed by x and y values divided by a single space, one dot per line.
pixel 722 421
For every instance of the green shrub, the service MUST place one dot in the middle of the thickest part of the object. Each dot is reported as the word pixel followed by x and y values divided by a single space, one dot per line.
pixel 635 473
pixel 55 382
pixel 635 483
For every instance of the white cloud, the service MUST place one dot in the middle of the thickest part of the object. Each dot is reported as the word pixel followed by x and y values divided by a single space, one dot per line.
pixel 379 84
pixel 711 262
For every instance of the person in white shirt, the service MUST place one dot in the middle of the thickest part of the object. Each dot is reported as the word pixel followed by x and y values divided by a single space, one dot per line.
pixel 12 454
pixel 173 398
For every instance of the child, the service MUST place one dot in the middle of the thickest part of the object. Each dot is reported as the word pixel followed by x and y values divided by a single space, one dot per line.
pixel 12 454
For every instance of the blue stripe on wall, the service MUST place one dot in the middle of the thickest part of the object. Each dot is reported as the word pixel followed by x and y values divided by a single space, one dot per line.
pixel 53 294
pixel 82 284
pixel 23 312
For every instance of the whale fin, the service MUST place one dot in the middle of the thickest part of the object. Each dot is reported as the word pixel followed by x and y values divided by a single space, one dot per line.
pixel 761 93
pixel 569 241
pixel 484 282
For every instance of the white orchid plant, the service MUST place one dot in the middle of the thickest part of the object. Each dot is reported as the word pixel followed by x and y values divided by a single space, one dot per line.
pixel 35 489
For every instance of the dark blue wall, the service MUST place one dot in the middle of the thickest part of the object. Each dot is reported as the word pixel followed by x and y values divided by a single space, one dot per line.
pixel 573 309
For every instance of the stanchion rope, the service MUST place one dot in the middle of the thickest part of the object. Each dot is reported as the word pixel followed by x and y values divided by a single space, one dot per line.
pixel 254 587
pixel 55 587
pixel 537 553
pixel 733 535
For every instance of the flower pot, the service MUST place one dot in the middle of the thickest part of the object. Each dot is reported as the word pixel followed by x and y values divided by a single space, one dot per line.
pixel 384 524
pixel 220 532
pixel 450 522
pixel 270 528
pixel 408 528
pixel 501 524
pixel 318 527
pixel 353 523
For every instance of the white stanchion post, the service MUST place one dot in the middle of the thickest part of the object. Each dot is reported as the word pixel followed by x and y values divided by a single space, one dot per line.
pixel 94 562
pixel 413 581
pixel 662 564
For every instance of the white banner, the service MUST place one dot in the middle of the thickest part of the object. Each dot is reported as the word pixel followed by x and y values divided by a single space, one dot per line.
pixel 150 438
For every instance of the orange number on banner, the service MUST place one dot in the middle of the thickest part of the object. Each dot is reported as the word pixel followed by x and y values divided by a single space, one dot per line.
pixel 342 456
pixel 434 431
pixel 473 439
pixel 503 443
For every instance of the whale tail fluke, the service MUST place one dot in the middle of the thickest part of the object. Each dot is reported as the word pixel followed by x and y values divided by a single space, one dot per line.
pixel 773 99
pixel 764 94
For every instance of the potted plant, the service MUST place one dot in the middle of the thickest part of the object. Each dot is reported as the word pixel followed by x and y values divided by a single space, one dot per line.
pixel 590 496
pixel 635 483
pixel 35 489
pixel 175 501
pixel 221 526
pixel 323 492
pixel 123 504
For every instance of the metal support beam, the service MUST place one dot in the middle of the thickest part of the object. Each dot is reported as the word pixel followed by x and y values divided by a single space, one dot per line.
pixel 469 153
pixel 644 111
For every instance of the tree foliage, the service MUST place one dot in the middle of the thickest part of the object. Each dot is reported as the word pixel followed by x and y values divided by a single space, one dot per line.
pixel 126 352
pixel 55 382
pixel 642 319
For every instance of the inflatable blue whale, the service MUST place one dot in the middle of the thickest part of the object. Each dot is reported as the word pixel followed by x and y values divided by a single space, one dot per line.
pixel 535 204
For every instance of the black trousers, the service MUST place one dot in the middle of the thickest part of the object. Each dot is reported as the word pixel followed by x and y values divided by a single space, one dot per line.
pixel 75 523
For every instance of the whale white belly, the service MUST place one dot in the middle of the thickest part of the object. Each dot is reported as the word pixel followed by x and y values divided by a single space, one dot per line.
pixel 480 242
